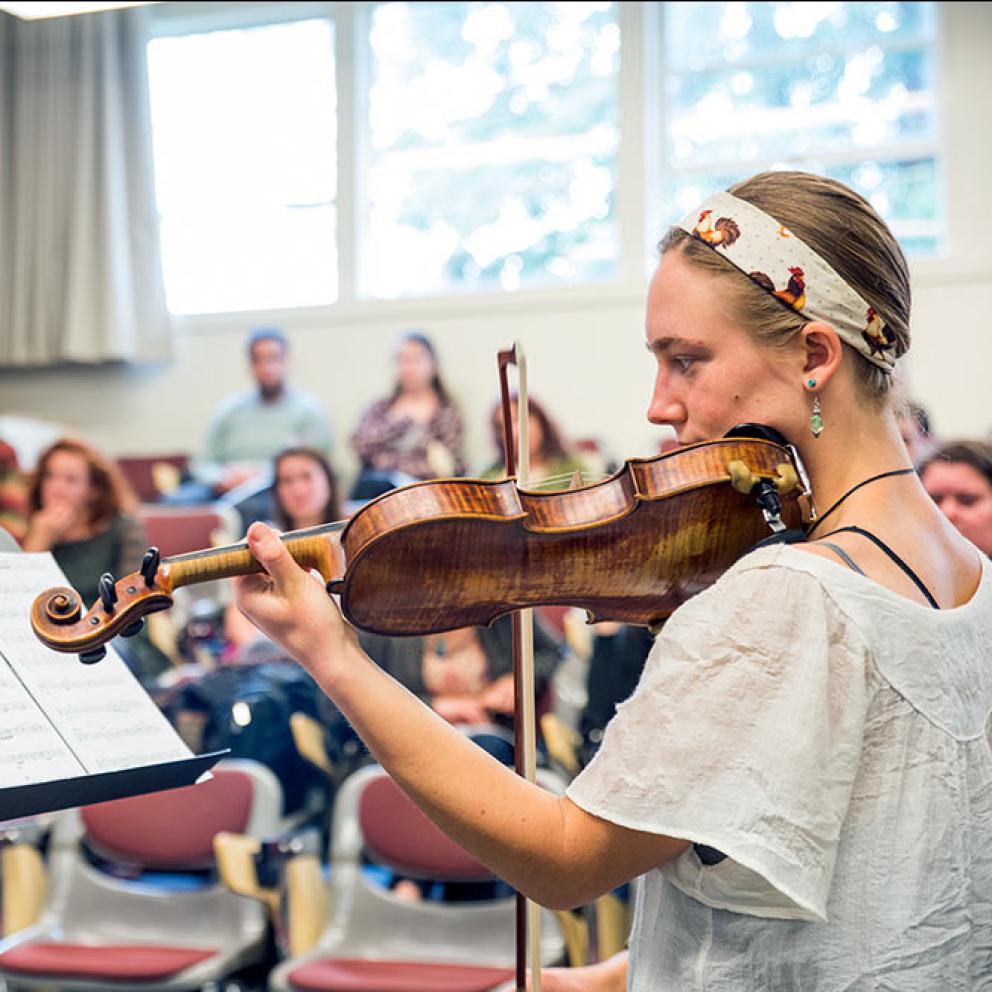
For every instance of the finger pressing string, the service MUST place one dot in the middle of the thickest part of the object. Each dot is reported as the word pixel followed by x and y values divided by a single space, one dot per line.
pixel 271 553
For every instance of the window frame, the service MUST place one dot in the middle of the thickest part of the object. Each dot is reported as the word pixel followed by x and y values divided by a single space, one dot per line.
pixel 640 165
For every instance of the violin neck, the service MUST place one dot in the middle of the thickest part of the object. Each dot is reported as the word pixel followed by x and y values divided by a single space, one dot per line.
pixel 314 547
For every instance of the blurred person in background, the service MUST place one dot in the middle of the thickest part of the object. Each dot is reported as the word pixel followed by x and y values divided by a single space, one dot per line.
pixel 13 494
pixel 305 494
pixel 958 477
pixel 916 430
pixel 415 432
pixel 256 674
pixel 553 462
pixel 466 675
pixel 249 428
pixel 83 512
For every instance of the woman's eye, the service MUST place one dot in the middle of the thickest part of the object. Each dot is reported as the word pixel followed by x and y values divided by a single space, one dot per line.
pixel 682 362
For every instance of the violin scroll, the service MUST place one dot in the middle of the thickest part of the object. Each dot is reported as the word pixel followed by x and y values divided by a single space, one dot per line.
pixel 59 622
pixel 61 605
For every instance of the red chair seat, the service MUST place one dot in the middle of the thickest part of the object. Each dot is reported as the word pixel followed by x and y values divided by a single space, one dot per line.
pixel 356 975
pixel 137 962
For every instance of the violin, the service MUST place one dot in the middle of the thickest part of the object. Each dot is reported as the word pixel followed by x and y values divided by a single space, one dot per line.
pixel 443 554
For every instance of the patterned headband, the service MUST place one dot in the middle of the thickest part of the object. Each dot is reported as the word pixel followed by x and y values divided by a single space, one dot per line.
pixel 770 254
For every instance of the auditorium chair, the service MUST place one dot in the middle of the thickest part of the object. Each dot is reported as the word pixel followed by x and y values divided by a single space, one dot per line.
pixel 176 530
pixel 361 935
pixel 133 898
pixel 150 476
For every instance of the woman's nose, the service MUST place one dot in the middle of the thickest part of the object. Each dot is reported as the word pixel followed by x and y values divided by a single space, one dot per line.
pixel 665 407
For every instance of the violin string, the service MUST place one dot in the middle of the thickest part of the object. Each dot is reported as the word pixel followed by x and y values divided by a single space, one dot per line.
pixel 565 477
pixel 243 545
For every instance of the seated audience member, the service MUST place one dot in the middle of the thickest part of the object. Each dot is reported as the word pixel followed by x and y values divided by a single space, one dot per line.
pixel 81 510
pixel 916 431
pixel 618 656
pixel 958 476
pixel 466 675
pixel 258 674
pixel 415 432
pixel 249 428
pixel 247 708
pixel 553 463
pixel 305 494
pixel 13 494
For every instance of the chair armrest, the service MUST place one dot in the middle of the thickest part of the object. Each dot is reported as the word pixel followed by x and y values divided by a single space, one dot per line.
pixel 612 925
pixel 575 932
pixel 308 736
pixel 24 886
pixel 562 743
pixel 293 863
pixel 236 855
pixel 306 902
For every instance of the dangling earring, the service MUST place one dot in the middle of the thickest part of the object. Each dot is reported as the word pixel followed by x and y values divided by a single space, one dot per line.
pixel 816 421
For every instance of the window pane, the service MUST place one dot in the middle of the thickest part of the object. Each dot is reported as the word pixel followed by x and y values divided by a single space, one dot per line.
pixel 493 146
pixel 244 135
pixel 705 34
pixel 841 103
pixel 845 89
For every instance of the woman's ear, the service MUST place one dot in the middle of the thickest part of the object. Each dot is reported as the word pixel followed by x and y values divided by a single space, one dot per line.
pixel 822 351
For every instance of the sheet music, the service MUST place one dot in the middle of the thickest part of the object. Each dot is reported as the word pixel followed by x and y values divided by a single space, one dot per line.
pixel 60 718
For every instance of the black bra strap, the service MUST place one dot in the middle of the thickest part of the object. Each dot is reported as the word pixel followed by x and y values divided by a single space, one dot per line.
pixel 882 546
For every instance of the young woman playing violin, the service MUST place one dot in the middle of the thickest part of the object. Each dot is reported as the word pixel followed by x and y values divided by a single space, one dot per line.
pixel 802 781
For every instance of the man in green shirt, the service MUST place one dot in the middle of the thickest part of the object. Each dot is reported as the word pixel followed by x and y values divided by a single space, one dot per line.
pixel 248 429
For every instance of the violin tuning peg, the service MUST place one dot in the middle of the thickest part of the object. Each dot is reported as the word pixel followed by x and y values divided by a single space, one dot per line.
pixel 108 592
pixel 149 566
pixel 92 657
pixel 134 628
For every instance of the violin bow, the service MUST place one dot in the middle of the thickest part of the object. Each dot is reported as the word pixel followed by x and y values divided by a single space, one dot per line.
pixel 524 715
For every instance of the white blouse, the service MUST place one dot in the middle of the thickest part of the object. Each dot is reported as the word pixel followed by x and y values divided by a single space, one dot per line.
pixel 831 737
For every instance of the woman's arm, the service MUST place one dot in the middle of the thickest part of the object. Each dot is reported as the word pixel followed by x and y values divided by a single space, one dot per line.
pixel 47 526
pixel 544 845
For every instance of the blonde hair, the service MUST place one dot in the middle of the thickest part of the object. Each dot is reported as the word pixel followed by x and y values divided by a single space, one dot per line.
pixel 844 230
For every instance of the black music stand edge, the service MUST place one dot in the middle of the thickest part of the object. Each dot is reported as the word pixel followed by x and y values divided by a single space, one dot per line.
pixel 65 793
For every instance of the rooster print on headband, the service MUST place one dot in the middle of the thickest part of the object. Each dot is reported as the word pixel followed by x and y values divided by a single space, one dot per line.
pixel 723 232
pixel 877 336
pixel 794 295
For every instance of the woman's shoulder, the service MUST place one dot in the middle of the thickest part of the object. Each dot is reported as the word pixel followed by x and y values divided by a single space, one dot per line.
pixel 790 588
pixel 775 584
pixel 847 586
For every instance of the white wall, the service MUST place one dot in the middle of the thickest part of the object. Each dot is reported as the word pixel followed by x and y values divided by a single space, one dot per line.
pixel 584 346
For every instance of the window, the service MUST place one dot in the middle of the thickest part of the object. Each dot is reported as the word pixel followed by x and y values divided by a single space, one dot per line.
pixel 244 130
pixel 846 89
pixel 484 152
pixel 493 142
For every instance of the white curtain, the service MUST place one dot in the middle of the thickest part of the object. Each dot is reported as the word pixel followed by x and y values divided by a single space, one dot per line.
pixel 80 267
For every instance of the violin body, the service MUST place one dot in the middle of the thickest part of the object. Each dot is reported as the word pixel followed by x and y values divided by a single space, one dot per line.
pixel 440 555
pixel 436 556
